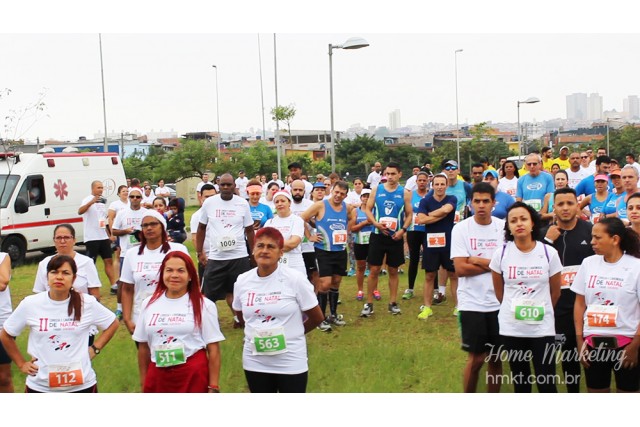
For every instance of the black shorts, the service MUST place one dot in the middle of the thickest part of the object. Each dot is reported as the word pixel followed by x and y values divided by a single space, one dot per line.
pixel 480 331
pixel 381 245
pixel 331 263
pixel 431 261
pixel 220 276
pixel 605 361
pixel 100 248
pixel 361 252
pixel 309 262
pixel 4 357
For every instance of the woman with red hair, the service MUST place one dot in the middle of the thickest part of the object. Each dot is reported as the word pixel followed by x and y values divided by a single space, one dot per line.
pixel 178 333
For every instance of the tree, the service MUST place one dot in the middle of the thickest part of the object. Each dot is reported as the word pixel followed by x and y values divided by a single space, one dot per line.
pixel 192 159
pixel 356 156
pixel 284 113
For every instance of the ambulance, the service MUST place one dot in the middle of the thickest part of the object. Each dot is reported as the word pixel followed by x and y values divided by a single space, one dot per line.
pixel 40 190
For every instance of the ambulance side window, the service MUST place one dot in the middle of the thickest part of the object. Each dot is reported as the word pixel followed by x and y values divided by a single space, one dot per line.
pixel 33 190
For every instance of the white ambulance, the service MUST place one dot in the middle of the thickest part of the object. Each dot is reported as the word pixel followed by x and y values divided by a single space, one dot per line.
pixel 40 191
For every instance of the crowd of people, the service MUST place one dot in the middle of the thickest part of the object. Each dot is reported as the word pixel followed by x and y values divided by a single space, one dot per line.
pixel 540 262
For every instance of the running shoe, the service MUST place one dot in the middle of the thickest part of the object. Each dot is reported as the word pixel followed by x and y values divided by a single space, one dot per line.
pixel 383 272
pixel 367 310
pixel 408 294
pixel 425 312
pixel 439 299
pixel 118 314
pixel 351 273
pixel 114 290
pixel 366 273
pixel 376 295
pixel 324 326
pixel 394 309
pixel 337 320
pixel 360 296
pixel 401 271
pixel 455 312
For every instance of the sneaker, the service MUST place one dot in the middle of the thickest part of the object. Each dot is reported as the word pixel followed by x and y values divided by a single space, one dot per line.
pixel 408 294
pixel 236 323
pixel 383 272
pixel 118 314
pixel 425 312
pixel 114 290
pixel 366 273
pixel 376 295
pixel 394 309
pixel 455 312
pixel 336 320
pixel 367 310
pixel 324 326
pixel 401 271
pixel 360 296
pixel 439 299
pixel 351 273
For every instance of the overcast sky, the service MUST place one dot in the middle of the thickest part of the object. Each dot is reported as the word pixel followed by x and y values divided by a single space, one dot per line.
pixel 158 74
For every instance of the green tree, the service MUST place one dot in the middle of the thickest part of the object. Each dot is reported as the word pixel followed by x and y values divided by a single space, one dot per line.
pixel 258 159
pixel 284 113
pixel 191 159
pixel 358 155
pixel 622 141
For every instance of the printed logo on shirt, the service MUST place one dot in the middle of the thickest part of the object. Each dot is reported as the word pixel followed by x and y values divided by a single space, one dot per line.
pixel 166 338
pixel 58 343
pixel 479 244
pixel 602 300
pixel 388 207
pixel 596 281
pixel 225 213
pixel 167 319
pixel 66 324
pixel 265 318
pixel 534 186
pixel 263 298
pixel 337 226
pixel 584 242
pixel 516 272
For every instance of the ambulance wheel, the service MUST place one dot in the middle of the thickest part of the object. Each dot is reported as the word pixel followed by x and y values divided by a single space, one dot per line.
pixel 16 248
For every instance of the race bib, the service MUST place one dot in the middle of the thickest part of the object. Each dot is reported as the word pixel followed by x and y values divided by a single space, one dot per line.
pixel 436 240
pixel 567 275
pixel 284 260
pixel 602 316
pixel 69 375
pixel 269 342
pixel 102 223
pixel 225 243
pixel 413 220
pixel 364 237
pixel 527 311
pixel 339 237
pixel 389 222
pixel 534 203
pixel 169 355
pixel 456 217
pixel 595 217
pixel 132 240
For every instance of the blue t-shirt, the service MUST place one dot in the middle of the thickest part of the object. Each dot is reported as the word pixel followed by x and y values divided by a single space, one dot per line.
pixel 261 213
pixel 503 202
pixel 611 202
pixel 444 226
pixel 596 207
pixel 462 192
pixel 533 189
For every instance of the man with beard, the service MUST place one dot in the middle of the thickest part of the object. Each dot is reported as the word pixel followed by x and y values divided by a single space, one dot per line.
pixel 299 205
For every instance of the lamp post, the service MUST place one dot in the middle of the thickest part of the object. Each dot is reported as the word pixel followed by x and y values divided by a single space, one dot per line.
pixel 531 100
pixel 455 54
pixel 104 102
pixel 217 112
pixel 352 43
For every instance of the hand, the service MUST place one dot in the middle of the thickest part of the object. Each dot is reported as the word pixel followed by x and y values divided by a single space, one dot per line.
pixel 383 228
pixel 30 368
pixel 553 233
pixel 202 258
pixel 315 238
pixel 630 356
pixel 112 238
pixel 397 235
pixel 130 326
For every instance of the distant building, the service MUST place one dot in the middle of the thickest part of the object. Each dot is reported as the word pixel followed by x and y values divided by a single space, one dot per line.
pixel 577 106
pixel 394 120
pixel 594 108
pixel 631 107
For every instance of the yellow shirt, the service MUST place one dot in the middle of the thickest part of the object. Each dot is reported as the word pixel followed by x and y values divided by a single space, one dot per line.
pixel 546 165
pixel 564 164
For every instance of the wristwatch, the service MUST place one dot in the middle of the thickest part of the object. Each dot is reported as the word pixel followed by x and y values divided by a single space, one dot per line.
pixel 404 229
pixel 96 350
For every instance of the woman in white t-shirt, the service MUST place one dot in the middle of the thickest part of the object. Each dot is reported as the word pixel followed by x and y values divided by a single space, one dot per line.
pixel 178 333
pixel 6 383
pixel 112 211
pixel 509 181
pixel 526 280
pixel 292 228
pixel 270 301
pixel 59 323
pixel 87 279
pixel 140 269
pixel 607 308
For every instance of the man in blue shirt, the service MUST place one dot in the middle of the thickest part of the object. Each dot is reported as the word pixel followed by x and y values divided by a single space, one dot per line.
pixel 535 185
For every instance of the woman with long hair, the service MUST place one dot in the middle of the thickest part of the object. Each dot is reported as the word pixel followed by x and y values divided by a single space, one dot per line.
pixel 59 323
pixel 526 280
pixel 607 308
pixel 178 333
pixel 509 181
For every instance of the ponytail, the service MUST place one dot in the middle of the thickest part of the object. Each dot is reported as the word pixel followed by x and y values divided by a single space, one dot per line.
pixel 75 304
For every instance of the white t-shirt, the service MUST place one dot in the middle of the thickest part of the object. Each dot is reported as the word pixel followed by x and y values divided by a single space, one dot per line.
pixel 142 271
pixel 86 277
pixel 268 203
pixel 411 184
pixel 297 209
pixel 611 290
pixel 508 186
pixel 58 341
pixel 280 183
pixel 527 293
pixel 163 192
pixel 468 238
pixel 200 184
pixel 590 170
pixel 576 177
pixel 241 185
pixel 118 205
pixel 5 298
pixel 195 222
pixel 374 179
pixel 268 304
pixel 148 200
pixel 226 220
pixel 125 219
pixel 353 198
pixel 94 220
pixel 292 225
pixel 170 321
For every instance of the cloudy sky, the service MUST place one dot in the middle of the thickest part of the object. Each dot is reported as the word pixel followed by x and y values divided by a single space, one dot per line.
pixel 158 70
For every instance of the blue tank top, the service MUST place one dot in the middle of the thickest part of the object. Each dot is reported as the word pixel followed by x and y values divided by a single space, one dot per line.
pixel 389 208
pixel 596 207
pixel 333 228
pixel 610 203
pixel 415 203
pixel 362 236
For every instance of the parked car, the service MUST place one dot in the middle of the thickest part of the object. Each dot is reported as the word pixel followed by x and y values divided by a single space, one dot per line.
pixel 171 187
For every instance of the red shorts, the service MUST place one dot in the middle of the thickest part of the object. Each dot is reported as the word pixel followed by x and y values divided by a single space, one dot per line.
pixel 190 377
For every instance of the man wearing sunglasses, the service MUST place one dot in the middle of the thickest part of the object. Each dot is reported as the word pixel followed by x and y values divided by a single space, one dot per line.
pixel 535 185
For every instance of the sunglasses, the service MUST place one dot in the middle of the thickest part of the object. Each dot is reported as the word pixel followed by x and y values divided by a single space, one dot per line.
pixel 135 197
pixel 584 157
pixel 451 168
pixel 532 164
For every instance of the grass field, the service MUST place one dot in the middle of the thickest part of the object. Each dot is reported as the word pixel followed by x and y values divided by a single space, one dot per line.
pixel 383 353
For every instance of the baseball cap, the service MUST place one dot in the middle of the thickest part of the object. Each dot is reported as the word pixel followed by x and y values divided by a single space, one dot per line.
pixel 601 177
pixel 319 185
pixel 563 147
pixel 365 191
pixel 451 163
pixel 615 171
pixel 490 172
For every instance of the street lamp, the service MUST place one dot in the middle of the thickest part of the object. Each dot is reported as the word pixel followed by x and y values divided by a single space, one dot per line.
pixel 610 119
pixel 531 100
pixel 455 54
pixel 217 111
pixel 352 43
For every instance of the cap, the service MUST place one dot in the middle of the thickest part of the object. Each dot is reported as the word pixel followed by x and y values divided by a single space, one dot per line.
pixel 365 191
pixel 615 171
pixel 383 179
pixel 132 189
pixel 157 215
pixel 452 163
pixel 294 165
pixel 490 172
pixel 282 193
pixel 319 185
pixel 601 177
pixel 563 147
